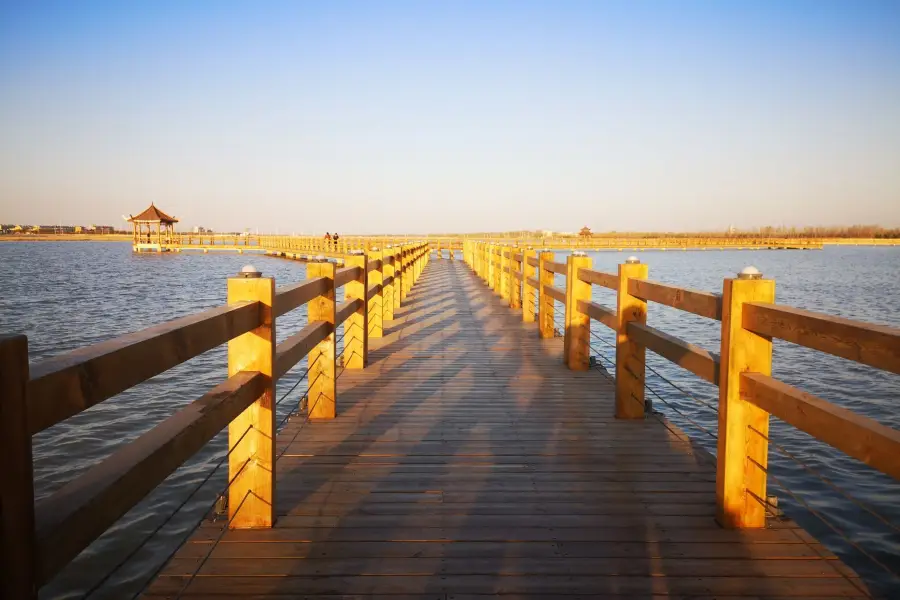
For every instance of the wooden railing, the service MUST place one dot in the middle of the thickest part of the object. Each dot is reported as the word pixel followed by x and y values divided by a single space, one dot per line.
pixel 748 394
pixel 39 539
pixel 345 244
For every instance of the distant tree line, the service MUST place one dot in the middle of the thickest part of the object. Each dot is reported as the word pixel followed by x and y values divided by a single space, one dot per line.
pixel 852 231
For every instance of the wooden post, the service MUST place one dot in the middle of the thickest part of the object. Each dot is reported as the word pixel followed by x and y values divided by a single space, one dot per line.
pixel 630 355
pixel 404 273
pixel 486 263
pixel 477 258
pixel 376 299
pixel 515 286
pixel 504 275
pixel 489 261
pixel 576 352
pixel 498 269
pixel 390 285
pixel 251 464
pixel 322 395
pixel 545 302
pixel 741 484
pixel 398 283
pixel 529 292
pixel 17 536
pixel 356 334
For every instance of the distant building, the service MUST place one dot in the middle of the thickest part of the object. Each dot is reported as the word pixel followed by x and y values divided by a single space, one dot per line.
pixel 585 232
pixel 199 229
pixel 101 229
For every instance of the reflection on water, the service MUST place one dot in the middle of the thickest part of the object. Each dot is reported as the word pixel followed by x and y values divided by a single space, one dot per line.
pixel 68 295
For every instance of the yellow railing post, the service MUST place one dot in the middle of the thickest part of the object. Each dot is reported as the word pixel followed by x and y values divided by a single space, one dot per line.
pixel 356 335
pixel 398 276
pixel 515 285
pixel 504 272
pixel 406 274
pixel 742 453
pixel 420 249
pixel 18 572
pixel 477 256
pixel 407 270
pixel 489 259
pixel 376 299
pixel 630 355
pixel 529 292
pixel 498 269
pixel 576 353
pixel 251 436
pixel 390 295
pixel 322 395
pixel 545 302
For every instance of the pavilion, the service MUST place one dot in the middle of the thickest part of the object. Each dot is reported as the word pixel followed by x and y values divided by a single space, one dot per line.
pixel 165 226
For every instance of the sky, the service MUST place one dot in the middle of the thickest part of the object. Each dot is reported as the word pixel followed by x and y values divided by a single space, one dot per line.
pixel 451 116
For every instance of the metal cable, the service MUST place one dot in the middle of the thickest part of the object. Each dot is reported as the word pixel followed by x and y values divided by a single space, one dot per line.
pixel 825 480
pixel 192 529
pixel 302 377
pixel 165 522
pixel 819 516
pixel 215 544
pixel 664 378
pixel 778 482
pixel 664 401
pixel 299 429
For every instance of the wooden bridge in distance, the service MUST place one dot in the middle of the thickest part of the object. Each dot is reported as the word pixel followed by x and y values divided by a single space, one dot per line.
pixel 459 449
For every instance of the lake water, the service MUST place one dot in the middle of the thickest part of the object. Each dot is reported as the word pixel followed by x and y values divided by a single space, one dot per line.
pixel 72 294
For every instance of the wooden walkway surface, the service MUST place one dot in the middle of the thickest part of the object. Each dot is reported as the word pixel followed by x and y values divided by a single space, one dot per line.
pixel 467 461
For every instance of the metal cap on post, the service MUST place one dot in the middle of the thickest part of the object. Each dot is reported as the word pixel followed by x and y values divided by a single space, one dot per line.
pixel 249 271
pixel 750 272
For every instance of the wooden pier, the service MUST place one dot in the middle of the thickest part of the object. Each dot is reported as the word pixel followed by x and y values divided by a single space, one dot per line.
pixel 458 448
pixel 304 246
pixel 467 459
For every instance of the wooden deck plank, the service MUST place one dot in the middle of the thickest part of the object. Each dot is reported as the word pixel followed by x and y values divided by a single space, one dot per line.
pixel 466 461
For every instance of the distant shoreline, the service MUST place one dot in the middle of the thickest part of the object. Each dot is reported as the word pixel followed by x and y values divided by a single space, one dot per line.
pixel 127 237
pixel 67 237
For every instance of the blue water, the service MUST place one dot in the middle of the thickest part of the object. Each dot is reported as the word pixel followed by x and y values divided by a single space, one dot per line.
pixel 68 295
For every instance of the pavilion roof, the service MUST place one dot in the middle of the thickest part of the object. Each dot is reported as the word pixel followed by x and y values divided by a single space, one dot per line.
pixel 152 215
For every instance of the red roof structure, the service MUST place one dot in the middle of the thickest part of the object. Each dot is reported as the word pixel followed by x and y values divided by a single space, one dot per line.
pixel 152 215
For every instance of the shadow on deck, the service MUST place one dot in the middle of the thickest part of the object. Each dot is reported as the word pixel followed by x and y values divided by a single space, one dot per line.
pixel 466 460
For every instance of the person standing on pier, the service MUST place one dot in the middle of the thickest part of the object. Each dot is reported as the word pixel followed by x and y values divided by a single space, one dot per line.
pixel 335 237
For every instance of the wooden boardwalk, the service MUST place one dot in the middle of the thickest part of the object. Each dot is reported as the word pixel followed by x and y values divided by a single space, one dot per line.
pixel 467 461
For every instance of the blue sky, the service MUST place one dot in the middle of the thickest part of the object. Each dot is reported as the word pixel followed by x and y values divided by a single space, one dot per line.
pixel 452 116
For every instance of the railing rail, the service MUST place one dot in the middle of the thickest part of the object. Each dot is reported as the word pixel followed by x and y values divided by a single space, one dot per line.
pixel 741 369
pixel 40 538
